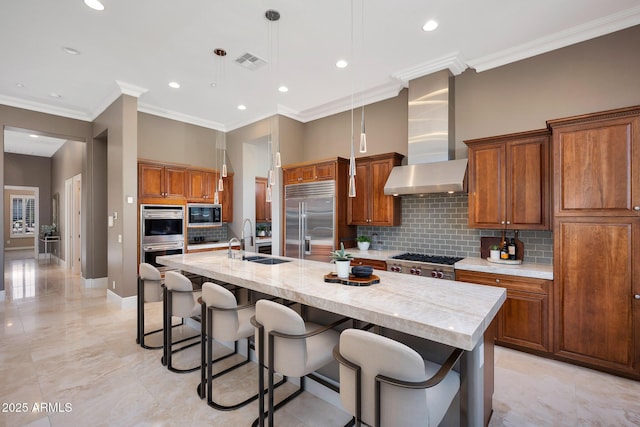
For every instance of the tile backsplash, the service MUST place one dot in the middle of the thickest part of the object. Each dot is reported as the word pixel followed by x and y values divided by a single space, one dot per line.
pixel 208 233
pixel 437 224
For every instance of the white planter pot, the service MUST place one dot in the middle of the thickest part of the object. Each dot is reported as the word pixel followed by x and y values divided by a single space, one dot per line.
pixel 494 254
pixel 363 246
pixel 342 269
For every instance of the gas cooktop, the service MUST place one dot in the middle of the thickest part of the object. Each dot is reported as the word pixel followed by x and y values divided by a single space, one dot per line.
pixel 434 259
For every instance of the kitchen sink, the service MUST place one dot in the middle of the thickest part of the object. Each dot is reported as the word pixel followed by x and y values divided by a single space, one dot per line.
pixel 265 260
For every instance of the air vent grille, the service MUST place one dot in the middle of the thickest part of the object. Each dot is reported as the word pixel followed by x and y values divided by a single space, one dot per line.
pixel 250 61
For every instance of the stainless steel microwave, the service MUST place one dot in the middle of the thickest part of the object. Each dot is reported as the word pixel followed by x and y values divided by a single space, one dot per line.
pixel 204 215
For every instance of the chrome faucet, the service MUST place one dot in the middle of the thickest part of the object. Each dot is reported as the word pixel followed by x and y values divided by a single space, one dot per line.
pixel 230 251
pixel 242 237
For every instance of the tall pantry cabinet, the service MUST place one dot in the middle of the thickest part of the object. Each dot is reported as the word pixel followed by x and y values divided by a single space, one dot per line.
pixel 596 175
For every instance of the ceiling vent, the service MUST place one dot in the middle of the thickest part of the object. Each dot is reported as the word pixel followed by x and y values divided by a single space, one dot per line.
pixel 250 61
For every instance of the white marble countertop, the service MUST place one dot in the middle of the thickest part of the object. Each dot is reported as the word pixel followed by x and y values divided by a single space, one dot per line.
pixel 263 240
pixel 209 245
pixel 538 271
pixel 453 313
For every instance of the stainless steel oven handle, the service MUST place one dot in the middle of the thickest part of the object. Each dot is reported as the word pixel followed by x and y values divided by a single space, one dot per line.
pixel 160 247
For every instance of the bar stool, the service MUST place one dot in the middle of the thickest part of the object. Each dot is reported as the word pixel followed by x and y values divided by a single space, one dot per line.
pixel 295 349
pixel 149 290
pixel 180 300
pixel 384 382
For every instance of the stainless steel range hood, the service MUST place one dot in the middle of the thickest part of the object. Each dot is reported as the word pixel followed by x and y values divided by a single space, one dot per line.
pixel 431 131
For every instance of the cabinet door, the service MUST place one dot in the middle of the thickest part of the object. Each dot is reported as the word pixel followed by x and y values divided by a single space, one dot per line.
pixel 175 180
pixel 226 198
pixel 524 320
pixel 291 176
pixel 597 275
pixel 261 204
pixel 325 171
pixel 487 187
pixel 596 168
pixel 527 200
pixel 307 173
pixel 382 207
pixel 358 207
pixel 150 180
pixel 201 185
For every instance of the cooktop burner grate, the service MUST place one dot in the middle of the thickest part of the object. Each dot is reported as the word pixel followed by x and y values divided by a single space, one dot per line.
pixel 434 259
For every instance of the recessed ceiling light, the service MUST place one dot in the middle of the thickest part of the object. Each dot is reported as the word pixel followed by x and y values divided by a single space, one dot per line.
pixel 33 135
pixel 283 89
pixel 94 4
pixel 70 50
pixel 174 85
pixel 19 85
pixel 342 63
pixel 430 25
pixel 242 107
pixel 213 84
pixel 55 95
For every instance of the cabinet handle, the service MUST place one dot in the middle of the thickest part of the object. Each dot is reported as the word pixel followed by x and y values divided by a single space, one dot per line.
pixel 502 222
pixel 636 208
pixel 497 280
pixel 508 222
pixel 637 296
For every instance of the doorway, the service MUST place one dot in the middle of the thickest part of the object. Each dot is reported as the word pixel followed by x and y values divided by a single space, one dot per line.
pixel 73 216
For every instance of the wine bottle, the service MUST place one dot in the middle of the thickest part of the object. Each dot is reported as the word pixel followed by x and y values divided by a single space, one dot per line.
pixel 504 252
pixel 512 249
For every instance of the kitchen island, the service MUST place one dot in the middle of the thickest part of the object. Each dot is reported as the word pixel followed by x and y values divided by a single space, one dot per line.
pixel 453 313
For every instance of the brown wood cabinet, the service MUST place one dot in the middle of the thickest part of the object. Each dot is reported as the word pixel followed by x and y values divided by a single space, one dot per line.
pixel 509 181
pixel 375 263
pixel 226 197
pixel 202 185
pixel 263 208
pixel 309 172
pixel 597 164
pixel 157 181
pixel 596 173
pixel 371 206
pixel 525 319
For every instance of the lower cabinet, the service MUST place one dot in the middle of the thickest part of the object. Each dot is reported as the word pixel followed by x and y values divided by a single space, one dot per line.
pixel 525 319
pixel 376 264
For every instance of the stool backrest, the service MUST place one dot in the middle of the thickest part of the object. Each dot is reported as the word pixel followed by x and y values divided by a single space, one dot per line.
pixel 152 282
pixel 182 301
pixel 376 355
pixel 224 324
pixel 290 354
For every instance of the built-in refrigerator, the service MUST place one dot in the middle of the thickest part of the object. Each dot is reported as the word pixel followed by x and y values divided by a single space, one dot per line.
pixel 310 223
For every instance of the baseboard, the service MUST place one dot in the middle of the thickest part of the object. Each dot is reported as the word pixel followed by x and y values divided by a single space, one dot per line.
pixel 99 283
pixel 123 303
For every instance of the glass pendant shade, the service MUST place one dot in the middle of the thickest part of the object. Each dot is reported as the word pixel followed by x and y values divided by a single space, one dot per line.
pixel 352 186
pixel 220 185
pixel 224 169
pixel 216 198
pixel 278 162
pixel 363 135
pixel 268 196
pixel 272 177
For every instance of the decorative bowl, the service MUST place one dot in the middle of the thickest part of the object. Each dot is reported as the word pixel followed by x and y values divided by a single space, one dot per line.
pixel 362 271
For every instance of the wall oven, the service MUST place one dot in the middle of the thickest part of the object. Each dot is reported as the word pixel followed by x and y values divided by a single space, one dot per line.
pixel 204 215
pixel 161 232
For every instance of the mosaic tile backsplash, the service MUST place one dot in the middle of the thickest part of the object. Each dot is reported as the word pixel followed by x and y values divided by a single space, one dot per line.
pixel 437 224
pixel 208 234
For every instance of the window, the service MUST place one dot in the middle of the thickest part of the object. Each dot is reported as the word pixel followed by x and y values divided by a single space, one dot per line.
pixel 23 216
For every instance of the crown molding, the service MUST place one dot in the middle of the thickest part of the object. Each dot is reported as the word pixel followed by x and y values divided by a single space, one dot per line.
pixel 599 27
pixel 174 115
pixel 452 61
pixel 130 89
pixel 44 108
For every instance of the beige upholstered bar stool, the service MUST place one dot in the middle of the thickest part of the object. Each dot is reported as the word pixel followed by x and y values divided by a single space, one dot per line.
pixel 180 300
pixel 293 347
pixel 224 321
pixel 149 290
pixel 386 383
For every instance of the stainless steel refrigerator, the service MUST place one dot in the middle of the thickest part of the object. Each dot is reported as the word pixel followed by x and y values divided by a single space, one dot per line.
pixel 310 223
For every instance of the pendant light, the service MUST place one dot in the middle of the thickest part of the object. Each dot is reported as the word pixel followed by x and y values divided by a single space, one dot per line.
pixel 273 16
pixel 363 134
pixel 352 159
pixel 224 155
pixel 216 196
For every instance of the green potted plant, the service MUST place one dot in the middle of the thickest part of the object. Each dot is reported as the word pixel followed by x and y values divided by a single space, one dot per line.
pixel 363 242
pixel 262 230
pixel 494 252
pixel 342 260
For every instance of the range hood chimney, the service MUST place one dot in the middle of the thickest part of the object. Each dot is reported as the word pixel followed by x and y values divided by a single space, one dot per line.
pixel 431 130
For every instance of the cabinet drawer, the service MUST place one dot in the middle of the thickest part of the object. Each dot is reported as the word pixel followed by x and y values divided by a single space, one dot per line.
pixel 376 264
pixel 516 283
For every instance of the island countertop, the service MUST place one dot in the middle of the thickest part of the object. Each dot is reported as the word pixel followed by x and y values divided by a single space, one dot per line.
pixel 449 312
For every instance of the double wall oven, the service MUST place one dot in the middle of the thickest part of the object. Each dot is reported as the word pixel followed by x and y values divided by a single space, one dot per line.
pixel 161 232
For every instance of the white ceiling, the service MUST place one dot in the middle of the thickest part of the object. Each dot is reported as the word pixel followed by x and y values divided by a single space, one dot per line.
pixel 28 143
pixel 145 44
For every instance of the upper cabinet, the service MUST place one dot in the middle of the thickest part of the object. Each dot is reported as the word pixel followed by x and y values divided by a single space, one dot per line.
pixel 371 206
pixel 263 208
pixel 309 172
pixel 509 181
pixel 158 181
pixel 202 185
pixel 597 164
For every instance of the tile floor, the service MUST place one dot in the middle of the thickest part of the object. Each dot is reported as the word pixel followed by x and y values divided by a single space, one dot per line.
pixel 65 346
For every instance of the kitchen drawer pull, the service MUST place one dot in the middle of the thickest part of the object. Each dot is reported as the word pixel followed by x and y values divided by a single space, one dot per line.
pixel 637 296
pixel 636 208
pixel 497 280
